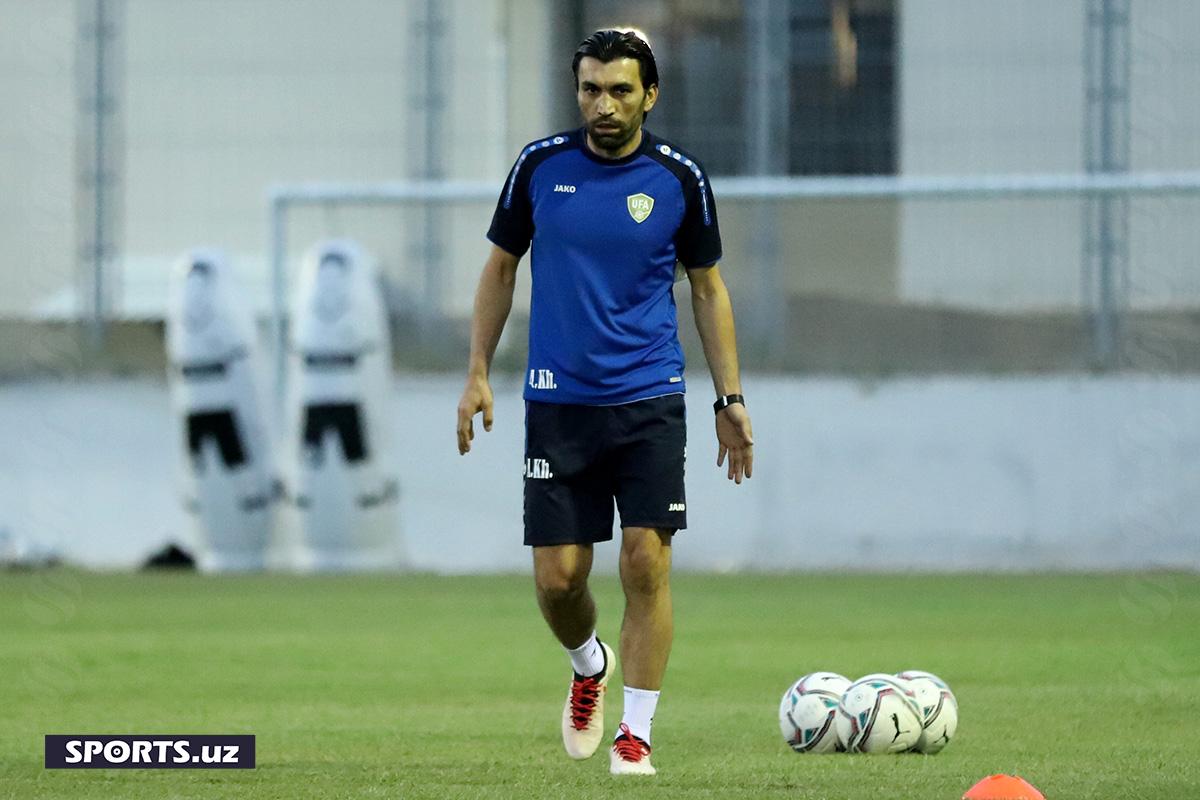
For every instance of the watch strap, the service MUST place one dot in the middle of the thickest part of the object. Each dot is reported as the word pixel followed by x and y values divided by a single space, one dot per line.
pixel 726 401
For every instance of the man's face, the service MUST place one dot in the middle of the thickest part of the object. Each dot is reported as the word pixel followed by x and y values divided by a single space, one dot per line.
pixel 612 100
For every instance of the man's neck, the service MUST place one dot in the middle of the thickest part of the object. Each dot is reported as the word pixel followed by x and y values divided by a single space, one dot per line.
pixel 633 144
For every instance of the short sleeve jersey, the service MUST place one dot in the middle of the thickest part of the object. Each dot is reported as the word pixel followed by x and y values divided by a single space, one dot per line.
pixel 605 235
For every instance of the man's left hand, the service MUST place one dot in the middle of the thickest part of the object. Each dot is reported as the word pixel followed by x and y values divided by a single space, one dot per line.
pixel 736 440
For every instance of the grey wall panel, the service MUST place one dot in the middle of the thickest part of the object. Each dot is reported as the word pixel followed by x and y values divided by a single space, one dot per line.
pixel 968 473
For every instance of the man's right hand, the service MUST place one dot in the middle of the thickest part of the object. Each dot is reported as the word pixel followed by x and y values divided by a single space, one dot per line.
pixel 476 397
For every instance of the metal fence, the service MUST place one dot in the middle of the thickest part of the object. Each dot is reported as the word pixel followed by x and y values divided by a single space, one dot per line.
pixel 760 214
pixel 884 244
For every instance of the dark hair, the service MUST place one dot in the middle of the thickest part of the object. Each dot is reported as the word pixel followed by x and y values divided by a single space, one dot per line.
pixel 609 45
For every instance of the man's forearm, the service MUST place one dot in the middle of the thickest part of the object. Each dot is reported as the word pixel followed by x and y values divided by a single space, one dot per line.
pixel 714 321
pixel 493 302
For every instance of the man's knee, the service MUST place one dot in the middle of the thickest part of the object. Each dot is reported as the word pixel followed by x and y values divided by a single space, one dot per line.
pixel 560 586
pixel 645 563
pixel 560 574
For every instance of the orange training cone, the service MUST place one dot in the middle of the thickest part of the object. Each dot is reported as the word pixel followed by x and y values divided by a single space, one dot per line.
pixel 1003 787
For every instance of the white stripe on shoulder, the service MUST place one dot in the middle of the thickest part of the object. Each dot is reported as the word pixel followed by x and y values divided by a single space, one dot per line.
pixel 525 153
pixel 670 152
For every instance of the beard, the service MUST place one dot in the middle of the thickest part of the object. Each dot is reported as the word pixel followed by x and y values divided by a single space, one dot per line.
pixel 613 139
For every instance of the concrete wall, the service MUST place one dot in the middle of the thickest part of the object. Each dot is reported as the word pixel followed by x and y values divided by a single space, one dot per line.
pixel 1164 241
pixel 245 95
pixel 991 87
pixel 224 97
pixel 1053 473
pixel 37 150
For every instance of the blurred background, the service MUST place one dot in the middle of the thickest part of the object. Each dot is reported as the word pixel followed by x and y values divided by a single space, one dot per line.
pixel 942 375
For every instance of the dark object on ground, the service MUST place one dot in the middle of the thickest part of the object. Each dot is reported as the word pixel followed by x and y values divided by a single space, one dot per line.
pixel 170 557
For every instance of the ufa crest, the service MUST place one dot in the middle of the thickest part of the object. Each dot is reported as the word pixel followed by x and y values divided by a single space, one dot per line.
pixel 639 205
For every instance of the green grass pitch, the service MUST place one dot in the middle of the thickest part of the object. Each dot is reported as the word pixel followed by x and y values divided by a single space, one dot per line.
pixel 420 686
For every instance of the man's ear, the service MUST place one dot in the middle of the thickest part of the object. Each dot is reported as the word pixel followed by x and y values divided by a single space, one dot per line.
pixel 650 99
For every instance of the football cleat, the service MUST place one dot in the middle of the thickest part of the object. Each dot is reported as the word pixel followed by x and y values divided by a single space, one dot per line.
pixel 630 755
pixel 583 713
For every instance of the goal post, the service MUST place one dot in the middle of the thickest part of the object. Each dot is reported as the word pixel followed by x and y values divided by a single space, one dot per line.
pixel 282 199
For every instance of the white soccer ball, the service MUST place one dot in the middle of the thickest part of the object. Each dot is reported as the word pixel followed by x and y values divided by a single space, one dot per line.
pixel 939 710
pixel 808 709
pixel 878 713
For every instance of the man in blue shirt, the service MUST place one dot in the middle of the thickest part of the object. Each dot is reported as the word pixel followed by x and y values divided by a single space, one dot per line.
pixel 609 211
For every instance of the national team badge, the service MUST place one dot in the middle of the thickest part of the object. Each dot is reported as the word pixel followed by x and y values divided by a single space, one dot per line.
pixel 639 205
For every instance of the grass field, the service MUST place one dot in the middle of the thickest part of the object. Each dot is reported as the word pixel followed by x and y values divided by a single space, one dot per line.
pixel 417 686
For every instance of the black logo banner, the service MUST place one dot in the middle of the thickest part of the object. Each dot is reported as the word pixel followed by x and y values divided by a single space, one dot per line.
pixel 149 751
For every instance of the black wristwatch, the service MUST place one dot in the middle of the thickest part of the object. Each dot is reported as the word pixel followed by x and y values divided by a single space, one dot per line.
pixel 726 401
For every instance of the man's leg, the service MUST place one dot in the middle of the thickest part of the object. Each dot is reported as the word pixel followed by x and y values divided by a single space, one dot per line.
pixel 646 634
pixel 648 627
pixel 560 575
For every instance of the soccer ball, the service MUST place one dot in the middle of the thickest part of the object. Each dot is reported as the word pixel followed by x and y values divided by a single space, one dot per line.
pixel 808 709
pixel 939 710
pixel 878 713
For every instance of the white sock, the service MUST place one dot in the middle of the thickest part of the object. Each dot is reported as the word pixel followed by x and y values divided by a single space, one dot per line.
pixel 639 711
pixel 588 658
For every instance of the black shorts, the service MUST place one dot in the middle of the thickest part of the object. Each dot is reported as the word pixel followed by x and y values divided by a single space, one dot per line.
pixel 578 458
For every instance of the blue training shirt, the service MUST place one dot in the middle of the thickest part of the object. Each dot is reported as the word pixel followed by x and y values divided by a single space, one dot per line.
pixel 605 234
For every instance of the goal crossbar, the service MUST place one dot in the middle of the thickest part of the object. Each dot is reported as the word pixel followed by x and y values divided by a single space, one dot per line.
pixel 767 189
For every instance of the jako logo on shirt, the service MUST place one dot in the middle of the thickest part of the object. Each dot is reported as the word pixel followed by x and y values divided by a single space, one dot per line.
pixel 676 507
pixel 541 379
pixel 564 187
pixel 538 468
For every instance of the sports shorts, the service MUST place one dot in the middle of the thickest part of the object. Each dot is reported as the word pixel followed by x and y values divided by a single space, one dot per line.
pixel 578 459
